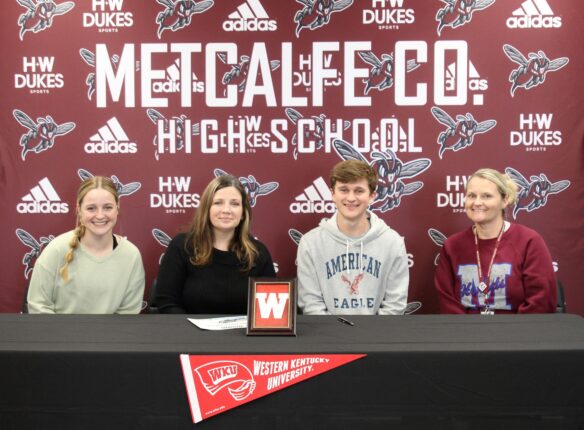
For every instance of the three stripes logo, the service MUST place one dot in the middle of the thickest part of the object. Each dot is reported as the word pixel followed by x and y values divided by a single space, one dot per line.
pixel 316 199
pixel 172 81
pixel 42 199
pixel 110 139
pixel 534 14
pixel 250 16
pixel 475 82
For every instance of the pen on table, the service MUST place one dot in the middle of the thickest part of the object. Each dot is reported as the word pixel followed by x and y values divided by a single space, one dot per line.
pixel 345 321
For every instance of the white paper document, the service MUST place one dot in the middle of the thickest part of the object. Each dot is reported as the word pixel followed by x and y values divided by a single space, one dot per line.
pixel 220 323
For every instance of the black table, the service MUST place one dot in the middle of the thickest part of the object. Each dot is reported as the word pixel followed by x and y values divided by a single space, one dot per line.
pixel 423 371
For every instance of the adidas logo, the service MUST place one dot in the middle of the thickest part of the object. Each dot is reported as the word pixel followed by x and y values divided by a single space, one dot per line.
pixel 42 199
pixel 475 83
pixel 316 199
pixel 534 14
pixel 250 16
pixel 172 83
pixel 110 139
pixel 474 79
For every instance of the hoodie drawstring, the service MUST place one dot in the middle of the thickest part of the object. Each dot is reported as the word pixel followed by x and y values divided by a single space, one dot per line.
pixel 347 256
pixel 360 265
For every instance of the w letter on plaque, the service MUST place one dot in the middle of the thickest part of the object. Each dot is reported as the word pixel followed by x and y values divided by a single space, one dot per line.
pixel 271 306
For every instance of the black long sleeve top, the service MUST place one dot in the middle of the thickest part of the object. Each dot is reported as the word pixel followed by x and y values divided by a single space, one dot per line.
pixel 218 288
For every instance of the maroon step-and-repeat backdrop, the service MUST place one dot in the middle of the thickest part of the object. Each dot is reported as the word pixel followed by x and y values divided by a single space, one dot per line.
pixel 163 95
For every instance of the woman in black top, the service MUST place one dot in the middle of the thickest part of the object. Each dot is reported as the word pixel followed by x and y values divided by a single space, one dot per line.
pixel 206 270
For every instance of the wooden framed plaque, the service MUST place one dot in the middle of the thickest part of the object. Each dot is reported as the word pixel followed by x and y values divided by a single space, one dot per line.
pixel 271 308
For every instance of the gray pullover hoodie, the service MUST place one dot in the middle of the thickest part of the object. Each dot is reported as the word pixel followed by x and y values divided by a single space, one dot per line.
pixel 338 274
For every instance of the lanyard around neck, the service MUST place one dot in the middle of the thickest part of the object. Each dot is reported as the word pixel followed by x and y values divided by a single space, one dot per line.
pixel 484 283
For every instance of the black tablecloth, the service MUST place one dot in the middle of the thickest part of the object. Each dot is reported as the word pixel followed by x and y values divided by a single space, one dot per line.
pixel 424 371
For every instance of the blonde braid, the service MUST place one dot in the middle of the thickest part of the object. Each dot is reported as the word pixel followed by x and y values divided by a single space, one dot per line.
pixel 95 182
pixel 77 235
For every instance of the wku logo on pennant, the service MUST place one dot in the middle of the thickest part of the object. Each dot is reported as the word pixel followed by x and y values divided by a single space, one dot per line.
pixel 218 375
pixel 217 383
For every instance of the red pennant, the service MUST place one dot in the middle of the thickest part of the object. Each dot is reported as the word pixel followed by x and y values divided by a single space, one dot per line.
pixel 217 383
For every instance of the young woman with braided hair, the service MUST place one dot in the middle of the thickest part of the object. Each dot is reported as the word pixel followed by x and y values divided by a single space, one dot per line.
pixel 89 270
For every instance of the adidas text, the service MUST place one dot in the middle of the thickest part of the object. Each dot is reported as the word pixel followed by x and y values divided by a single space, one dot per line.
pixel 110 148
pixel 312 207
pixel 534 22
pixel 174 87
pixel 42 208
pixel 250 25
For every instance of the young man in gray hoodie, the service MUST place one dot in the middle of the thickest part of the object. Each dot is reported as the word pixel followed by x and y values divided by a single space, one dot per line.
pixel 352 263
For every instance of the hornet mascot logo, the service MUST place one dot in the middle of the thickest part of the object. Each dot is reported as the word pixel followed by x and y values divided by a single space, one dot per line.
pixel 121 189
pixel 533 194
pixel 162 238
pixel 178 13
pixel 89 58
pixel 459 12
pixel 438 238
pixel 238 73
pixel 390 171
pixel 41 135
pixel 460 134
pixel 35 246
pixel 40 14
pixel 531 72
pixel 252 187
pixel 317 13
pixel 381 71
pixel 295 235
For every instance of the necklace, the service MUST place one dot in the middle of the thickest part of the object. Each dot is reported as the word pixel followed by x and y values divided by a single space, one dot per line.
pixel 485 282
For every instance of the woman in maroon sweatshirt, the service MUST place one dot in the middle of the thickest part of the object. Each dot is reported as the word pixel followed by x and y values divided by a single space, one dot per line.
pixel 494 266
